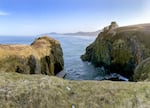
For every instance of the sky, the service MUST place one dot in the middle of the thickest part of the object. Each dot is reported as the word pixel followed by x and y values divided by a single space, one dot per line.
pixel 34 17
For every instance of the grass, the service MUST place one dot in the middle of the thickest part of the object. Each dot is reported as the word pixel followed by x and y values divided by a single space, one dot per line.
pixel 39 91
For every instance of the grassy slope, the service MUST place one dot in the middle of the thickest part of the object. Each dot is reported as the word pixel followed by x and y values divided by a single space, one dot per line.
pixel 142 71
pixel 39 91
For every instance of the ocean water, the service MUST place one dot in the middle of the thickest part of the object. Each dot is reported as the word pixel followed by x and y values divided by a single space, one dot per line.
pixel 17 39
pixel 73 47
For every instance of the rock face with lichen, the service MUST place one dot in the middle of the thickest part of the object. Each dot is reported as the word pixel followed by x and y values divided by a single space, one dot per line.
pixel 142 71
pixel 41 91
pixel 120 49
pixel 43 56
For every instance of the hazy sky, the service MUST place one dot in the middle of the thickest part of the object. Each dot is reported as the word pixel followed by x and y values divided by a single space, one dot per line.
pixel 33 17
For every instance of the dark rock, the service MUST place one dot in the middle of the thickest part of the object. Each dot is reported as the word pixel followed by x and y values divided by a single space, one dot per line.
pixel 115 77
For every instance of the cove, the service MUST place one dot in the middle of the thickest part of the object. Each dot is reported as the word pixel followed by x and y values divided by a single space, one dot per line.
pixel 73 47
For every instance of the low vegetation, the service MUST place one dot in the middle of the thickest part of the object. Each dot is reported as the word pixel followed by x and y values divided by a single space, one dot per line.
pixel 41 91
pixel 142 71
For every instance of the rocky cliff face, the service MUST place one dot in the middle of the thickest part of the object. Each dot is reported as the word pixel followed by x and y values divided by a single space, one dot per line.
pixel 40 91
pixel 43 56
pixel 120 49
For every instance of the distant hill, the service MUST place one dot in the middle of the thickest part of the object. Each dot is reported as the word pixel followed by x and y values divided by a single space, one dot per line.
pixel 80 33
pixel 95 33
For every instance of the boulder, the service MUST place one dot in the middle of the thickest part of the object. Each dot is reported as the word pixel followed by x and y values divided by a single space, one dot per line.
pixel 120 49
pixel 43 56
pixel 41 91
pixel 142 71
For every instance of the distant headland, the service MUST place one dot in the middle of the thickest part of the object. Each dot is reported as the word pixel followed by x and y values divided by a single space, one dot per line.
pixel 80 33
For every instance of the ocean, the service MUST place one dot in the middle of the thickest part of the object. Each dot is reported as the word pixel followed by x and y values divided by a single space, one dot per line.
pixel 73 47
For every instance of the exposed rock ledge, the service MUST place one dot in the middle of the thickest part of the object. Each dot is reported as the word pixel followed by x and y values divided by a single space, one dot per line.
pixel 43 56
pixel 120 49
pixel 41 91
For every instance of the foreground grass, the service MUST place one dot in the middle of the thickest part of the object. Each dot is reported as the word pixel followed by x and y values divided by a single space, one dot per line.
pixel 39 91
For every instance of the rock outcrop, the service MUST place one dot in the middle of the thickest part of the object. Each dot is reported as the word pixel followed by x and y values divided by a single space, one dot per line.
pixel 43 56
pixel 41 91
pixel 142 71
pixel 120 49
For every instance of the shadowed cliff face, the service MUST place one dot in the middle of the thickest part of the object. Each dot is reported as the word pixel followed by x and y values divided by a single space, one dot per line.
pixel 120 49
pixel 43 56
pixel 40 91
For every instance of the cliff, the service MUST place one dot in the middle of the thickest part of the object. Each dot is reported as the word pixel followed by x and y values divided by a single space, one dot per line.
pixel 40 91
pixel 120 49
pixel 43 56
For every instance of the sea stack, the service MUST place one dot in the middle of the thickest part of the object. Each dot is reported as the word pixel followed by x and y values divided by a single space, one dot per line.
pixel 43 56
